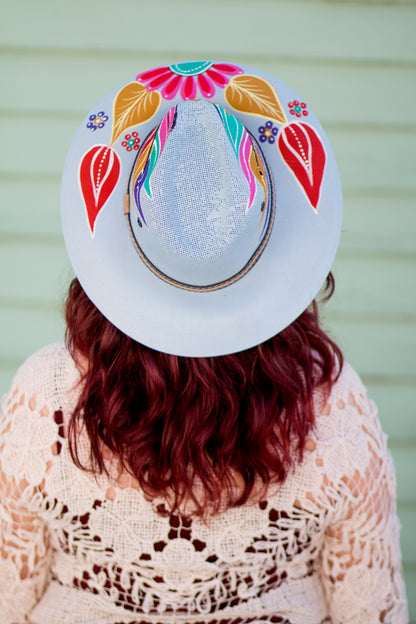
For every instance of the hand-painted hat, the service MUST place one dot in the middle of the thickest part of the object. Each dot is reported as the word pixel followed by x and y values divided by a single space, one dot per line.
pixel 201 207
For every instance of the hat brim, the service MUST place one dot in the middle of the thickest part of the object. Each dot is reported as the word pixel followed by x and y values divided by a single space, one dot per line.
pixel 270 296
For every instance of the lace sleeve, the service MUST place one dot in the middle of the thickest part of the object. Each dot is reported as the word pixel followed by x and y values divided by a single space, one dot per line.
pixel 361 558
pixel 26 450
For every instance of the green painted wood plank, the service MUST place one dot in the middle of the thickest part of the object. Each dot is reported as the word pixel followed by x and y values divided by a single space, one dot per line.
pixel 375 160
pixel 350 55
pixel 299 29
pixel 43 153
pixel 372 223
pixel 404 3
pixel 23 331
pixel 38 272
pixel 405 464
pixel 378 223
pixel 366 159
pixel 407 518
pixel 353 94
pixel 396 406
pixel 376 348
pixel 410 580
pixel 36 146
pixel 374 286
pixel 30 206
pixel 6 375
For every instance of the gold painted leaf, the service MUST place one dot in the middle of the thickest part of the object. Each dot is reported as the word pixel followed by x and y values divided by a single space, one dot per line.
pixel 133 105
pixel 255 96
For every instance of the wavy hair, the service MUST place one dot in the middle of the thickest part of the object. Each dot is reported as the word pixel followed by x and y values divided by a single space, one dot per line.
pixel 217 425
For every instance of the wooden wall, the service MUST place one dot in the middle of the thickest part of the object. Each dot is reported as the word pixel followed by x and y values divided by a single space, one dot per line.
pixel 354 62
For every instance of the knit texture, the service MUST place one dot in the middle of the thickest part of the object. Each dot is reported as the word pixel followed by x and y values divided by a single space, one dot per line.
pixel 80 549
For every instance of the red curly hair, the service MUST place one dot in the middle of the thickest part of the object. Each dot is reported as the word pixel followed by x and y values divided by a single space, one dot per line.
pixel 225 423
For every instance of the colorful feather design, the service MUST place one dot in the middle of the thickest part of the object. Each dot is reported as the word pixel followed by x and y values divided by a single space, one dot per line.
pixel 242 145
pixel 161 135
pixel 148 157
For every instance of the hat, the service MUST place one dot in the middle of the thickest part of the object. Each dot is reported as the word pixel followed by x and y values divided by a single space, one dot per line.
pixel 201 207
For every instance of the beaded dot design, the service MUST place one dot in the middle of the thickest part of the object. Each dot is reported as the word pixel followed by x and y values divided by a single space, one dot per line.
pixel 137 102
pixel 131 142
pixel 298 109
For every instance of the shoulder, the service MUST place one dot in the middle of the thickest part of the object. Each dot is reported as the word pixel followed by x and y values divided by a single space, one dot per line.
pixel 348 432
pixel 43 385
pixel 46 374
pixel 28 428
pixel 348 400
pixel 348 383
pixel 46 358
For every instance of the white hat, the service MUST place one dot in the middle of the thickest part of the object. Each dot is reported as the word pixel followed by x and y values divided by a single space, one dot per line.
pixel 201 207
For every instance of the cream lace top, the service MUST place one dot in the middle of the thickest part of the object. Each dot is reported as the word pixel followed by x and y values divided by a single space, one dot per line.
pixel 74 549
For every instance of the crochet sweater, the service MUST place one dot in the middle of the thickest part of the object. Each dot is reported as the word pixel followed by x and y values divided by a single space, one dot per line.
pixel 80 549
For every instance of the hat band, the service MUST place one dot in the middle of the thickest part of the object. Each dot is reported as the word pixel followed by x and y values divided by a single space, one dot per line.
pixel 207 231
pixel 209 288
pixel 270 211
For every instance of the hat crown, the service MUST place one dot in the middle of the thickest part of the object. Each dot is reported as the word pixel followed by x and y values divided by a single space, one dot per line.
pixel 201 214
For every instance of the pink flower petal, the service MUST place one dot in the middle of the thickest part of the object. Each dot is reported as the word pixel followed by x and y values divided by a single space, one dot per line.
pixel 227 68
pixel 172 87
pixel 188 90
pixel 217 78
pixel 151 73
pixel 158 81
pixel 205 85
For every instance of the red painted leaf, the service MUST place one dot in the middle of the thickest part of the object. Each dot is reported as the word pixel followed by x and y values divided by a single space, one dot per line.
pixel 99 172
pixel 303 152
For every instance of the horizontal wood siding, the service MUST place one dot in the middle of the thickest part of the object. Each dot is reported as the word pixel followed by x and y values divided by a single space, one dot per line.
pixel 354 62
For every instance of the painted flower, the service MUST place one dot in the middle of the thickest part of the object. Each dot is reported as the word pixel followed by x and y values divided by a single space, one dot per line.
pixel 131 141
pixel 268 132
pixel 297 108
pixel 97 121
pixel 189 77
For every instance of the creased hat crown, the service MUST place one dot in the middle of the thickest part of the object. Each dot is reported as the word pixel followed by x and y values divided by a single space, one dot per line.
pixel 201 210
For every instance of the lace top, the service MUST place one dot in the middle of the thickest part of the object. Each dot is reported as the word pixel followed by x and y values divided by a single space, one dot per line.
pixel 76 549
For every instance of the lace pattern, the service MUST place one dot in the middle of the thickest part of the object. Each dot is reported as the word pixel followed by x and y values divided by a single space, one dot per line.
pixel 74 548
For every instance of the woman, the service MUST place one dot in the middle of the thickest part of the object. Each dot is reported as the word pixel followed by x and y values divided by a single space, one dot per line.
pixel 198 451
